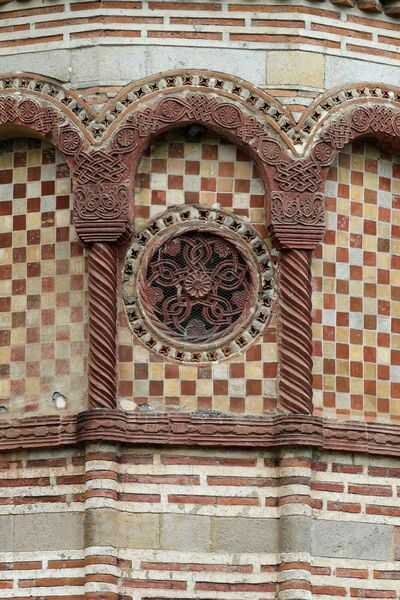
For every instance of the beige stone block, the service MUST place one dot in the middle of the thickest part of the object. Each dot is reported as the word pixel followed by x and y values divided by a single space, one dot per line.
pixel 292 67
pixel 242 534
pixel 185 533
pixel 108 527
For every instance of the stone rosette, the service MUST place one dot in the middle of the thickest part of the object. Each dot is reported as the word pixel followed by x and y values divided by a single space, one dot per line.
pixel 229 243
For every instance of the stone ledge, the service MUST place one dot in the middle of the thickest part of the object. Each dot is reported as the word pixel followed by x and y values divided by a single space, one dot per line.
pixel 195 430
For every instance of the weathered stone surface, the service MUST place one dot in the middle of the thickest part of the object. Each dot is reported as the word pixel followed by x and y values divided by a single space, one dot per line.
pixel 109 527
pixel 48 531
pixel 340 71
pixel 295 68
pixel 189 533
pixel 118 65
pixel 348 539
pixel 6 533
pixel 397 544
pixel 138 530
pixel 241 534
pixel 295 534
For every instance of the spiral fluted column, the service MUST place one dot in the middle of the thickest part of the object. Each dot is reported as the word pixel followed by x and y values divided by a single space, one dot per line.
pixel 295 345
pixel 102 325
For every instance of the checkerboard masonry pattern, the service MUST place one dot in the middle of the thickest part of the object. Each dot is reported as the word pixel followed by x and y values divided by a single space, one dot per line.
pixel 356 300
pixel 210 172
pixel 43 282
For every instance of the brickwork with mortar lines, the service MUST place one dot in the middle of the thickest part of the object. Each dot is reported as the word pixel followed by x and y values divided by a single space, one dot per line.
pixel 322 30
pixel 185 529
pixel 228 25
pixel 356 298
pixel 355 490
pixel 43 282
pixel 211 173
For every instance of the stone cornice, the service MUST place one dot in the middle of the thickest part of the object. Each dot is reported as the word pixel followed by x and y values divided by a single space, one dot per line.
pixel 198 430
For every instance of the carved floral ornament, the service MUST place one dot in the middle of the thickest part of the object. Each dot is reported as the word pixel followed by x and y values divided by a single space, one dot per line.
pixel 198 285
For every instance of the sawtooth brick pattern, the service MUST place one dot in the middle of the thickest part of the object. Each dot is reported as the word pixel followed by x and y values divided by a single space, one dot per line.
pixel 215 173
pixel 43 283
pixel 356 302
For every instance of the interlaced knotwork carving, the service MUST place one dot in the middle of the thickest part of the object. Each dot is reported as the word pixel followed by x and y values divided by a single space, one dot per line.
pixel 338 134
pixel 196 287
pixel 379 121
pixel 101 201
pixel 295 348
pixel 103 329
pixel 225 116
pixel 299 176
pixel 27 112
pixel 92 167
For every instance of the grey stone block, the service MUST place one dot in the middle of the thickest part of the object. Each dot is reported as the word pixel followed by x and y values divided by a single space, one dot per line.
pixel 242 534
pixel 107 64
pixel 347 539
pixel 51 63
pixel 6 533
pixel 339 71
pixel 185 533
pixel 48 531
pixel 295 534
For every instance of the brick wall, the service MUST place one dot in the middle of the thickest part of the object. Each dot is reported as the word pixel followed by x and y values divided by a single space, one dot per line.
pixel 192 523
pixel 356 531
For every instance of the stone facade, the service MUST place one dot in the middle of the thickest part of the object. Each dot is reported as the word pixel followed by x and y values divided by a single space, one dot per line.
pixel 263 466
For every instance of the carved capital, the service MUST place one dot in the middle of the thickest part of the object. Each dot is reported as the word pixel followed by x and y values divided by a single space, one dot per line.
pixel 101 196
pixel 101 212
pixel 296 220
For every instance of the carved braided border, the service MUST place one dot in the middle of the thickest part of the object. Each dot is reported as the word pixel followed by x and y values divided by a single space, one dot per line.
pixel 103 325
pixel 295 385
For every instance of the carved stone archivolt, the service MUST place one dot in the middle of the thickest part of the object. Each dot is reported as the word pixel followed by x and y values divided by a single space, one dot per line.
pixel 103 150
pixel 198 285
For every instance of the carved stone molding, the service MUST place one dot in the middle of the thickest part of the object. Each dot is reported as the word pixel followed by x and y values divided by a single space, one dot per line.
pixel 103 150
pixel 97 125
pixel 351 114
pixel 101 194
pixel 224 115
pixel 190 429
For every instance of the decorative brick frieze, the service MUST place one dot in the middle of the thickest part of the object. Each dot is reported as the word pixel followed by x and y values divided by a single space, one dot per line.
pixel 190 429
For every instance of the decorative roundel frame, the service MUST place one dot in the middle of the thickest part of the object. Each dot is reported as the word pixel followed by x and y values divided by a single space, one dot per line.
pixel 171 225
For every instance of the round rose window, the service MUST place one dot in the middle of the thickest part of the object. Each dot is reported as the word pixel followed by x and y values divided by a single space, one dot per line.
pixel 197 290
